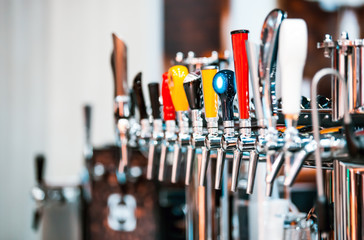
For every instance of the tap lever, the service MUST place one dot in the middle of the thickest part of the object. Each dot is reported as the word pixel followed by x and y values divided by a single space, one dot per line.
pixel 120 66
pixel 192 85
pixel 224 85
pixel 268 59
pixel 238 38
pixel 252 169
pixel 157 126
pixel 271 176
pixel 235 171
pixel 252 49
pixel 299 158
pixel 189 164
pixel 154 100
pixel 219 167
pixel 39 169
pixel 138 91
pixel 292 55
pixel 176 76
pixel 212 139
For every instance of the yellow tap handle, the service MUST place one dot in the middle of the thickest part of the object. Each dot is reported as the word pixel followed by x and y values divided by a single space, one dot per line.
pixel 176 75
pixel 209 95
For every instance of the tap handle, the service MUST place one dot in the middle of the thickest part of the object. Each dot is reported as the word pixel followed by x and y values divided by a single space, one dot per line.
pixel 269 42
pixel 87 110
pixel 238 38
pixel 252 50
pixel 138 91
pixel 120 67
pixel 209 95
pixel 193 89
pixel 224 85
pixel 39 168
pixel 176 75
pixel 154 100
pixel 292 54
pixel 169 112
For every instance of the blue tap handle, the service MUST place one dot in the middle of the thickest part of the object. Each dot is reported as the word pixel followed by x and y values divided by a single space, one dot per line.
pixel 225 87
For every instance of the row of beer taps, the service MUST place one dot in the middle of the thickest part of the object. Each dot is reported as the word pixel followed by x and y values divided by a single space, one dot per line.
pixel 206 87
pixel 194 88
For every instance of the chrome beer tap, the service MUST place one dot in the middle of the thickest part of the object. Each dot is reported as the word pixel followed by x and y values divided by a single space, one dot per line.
pixel 212 139
pixel 292 55
pixel 122 99
pixel 169 115
pixel 157 134
pixel 145 130
pixel 267 140
pixel 244 142
pixel 224 85
pixel 176 75
pixel 192 85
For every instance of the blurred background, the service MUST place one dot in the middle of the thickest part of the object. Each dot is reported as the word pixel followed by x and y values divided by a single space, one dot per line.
pixel 55 57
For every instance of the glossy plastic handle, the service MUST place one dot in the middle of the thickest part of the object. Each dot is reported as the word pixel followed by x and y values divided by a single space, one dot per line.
pixel 138 91
pixel 241 66
pixel 169 112
pixel 224 85
pixel 120 66
pixel 39 168
pixel 176 75
pixel 209 95
pixel 87 109
pixel 193 89
pixel 292 54
pixel 154 100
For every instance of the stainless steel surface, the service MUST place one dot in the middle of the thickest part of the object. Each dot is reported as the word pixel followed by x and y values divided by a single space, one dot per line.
pixel 252 169
pixel 228 143
pixel 348 212
pixel 347 58
pixel 170 138
pixel 212 142
pixel 268 59
pixel 123 126
pixel 197 141
pixel 157 136
pixel 315 121
pixel 183 139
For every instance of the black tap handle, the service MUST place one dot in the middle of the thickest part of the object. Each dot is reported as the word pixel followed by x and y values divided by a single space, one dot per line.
pixel 224 85
pixel 87 110
pixel 39 168
pixel 193 89
pixel 154 100
pixel 132 102
pixel 138 91
pixel 112 61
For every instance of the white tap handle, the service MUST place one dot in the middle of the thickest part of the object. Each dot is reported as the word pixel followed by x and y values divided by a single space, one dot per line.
pixel 292 52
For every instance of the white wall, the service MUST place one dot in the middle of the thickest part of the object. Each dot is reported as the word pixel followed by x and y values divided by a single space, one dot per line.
pixel 54 57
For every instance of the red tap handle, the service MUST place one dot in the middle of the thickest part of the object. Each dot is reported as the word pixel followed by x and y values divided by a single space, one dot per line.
pixel 168 109
pixel 238 38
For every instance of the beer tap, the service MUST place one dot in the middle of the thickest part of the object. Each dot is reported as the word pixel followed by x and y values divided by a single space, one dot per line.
pixel 176 75
pixel 145 131
pixel 212 139
pixel 267 140
pixel 169 115
pixel 244 142
pixel 122 99
pixel 192 85
pixel 292 55
pixel 224 85
pixel 157 134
